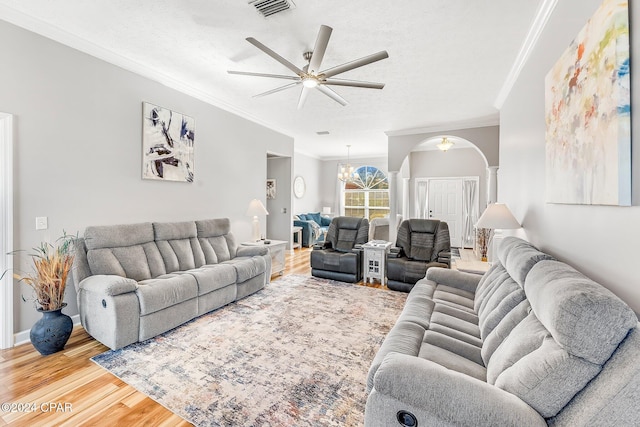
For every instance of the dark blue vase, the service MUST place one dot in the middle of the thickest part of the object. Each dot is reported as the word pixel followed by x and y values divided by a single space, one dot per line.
pixel 52 331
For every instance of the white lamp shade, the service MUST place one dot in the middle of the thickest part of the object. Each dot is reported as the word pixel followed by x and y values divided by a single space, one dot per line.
pixel 498 216
pixel 326 210
pixel 256 208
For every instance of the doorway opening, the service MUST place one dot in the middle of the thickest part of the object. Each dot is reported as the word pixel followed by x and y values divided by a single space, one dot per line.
pixel 6 230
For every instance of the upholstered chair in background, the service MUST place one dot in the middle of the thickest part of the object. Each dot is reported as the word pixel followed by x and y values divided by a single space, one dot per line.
pixel 421 244
pixel 340 256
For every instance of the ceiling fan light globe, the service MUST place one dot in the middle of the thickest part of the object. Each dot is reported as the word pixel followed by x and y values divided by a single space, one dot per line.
pixel 309 82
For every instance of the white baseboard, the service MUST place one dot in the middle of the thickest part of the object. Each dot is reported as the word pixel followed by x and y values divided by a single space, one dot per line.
pixel 23 337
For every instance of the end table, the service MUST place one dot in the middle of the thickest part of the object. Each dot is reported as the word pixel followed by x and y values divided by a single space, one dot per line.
pixel 375 260
pixel 276 250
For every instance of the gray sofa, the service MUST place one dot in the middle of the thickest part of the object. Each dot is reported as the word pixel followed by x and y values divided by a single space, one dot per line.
pixel 533 342
pixel 136 281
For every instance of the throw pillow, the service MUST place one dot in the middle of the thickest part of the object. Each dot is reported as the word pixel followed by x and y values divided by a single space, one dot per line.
pixel 302 217
pixel 315 216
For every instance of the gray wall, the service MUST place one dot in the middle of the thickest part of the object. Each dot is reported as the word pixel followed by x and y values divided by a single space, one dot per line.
pixel 78 150
pixel 308 168
pixel 453 163
pixel 486 139
pixel 600 241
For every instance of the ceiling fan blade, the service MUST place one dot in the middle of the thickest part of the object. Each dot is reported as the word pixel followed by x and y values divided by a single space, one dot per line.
pixel 278 89
pixel 303 96
pixel 331 94
pixel 274 55
pixel 319 49
pixel 274 76
pixel 354 64
pixel 353 83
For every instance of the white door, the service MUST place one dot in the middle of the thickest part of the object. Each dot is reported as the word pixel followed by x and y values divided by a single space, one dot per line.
pixel 445 204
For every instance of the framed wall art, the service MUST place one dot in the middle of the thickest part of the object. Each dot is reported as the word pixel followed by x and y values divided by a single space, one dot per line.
pixel 588 114
pixel 271 188
pixel 167 144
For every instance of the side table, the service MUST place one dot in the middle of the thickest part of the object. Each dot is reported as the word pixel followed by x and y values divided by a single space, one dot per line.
pixel 375 260
pixel 297 237
pixel 276 250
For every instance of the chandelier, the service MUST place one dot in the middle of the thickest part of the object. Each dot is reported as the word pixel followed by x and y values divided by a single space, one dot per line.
pixel 445 144
pixel 347 172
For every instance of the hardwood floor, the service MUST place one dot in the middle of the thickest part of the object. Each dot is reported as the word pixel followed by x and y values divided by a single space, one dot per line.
pixel 68 389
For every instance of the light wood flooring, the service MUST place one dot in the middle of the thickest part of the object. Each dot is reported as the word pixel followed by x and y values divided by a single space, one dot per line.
pixel 68 389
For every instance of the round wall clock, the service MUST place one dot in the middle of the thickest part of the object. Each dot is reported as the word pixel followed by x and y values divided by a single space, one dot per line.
pixel 299 187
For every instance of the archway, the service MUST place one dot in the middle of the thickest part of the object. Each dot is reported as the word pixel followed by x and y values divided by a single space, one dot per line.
pixel 484 141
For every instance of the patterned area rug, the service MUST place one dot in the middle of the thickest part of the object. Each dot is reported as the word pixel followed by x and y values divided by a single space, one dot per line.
pixel 295 353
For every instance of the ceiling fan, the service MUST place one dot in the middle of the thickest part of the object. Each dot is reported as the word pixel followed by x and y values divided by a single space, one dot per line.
pixel 310 75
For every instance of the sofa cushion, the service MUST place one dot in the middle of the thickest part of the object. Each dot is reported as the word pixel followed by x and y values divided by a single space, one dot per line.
pixel 453 361
pixel 165 291
pixel 585 318
pixel 131 261
pixel 499 303
pixel 123 250
pixel 213 277
pixel 314 216
pixel 518 257
pixel 502 330
pixel 247 267
pixel 530 364
pixel 178 245
pixel 217 242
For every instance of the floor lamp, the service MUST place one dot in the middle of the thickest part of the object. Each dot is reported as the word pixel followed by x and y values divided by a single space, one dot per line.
pixel 256 208
pixel 496 217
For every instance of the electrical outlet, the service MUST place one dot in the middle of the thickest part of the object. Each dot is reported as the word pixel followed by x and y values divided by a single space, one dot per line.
pixel 41 223
pixel 284 210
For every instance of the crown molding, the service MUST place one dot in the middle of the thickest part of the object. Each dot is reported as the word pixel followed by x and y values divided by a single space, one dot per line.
pixel 493 120
pixel 543 14
pixel 66 38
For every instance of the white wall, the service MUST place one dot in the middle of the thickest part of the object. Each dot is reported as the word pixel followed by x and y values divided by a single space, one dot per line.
pixel 453 163
pixel 78 129
pixel 600 241
pixel 279 220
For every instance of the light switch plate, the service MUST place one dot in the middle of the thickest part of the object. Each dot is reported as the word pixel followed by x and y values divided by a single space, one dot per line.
pixel 41 223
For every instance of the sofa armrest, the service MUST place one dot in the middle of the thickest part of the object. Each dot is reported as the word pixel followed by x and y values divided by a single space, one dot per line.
pixel 395 252
pixel 445 258
pixel 449 396
pixel 109 285
pixel 251 251
pixel 456 279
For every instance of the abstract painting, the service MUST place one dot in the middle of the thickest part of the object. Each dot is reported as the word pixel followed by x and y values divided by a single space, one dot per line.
pixel 271 188
pixel 167 144
pixel 588 114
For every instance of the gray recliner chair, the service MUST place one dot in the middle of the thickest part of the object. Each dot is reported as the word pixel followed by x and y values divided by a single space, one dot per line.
pixel 420 245
pixel 340 256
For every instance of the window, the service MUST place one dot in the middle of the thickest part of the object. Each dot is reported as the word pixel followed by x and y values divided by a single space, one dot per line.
pixel 367 195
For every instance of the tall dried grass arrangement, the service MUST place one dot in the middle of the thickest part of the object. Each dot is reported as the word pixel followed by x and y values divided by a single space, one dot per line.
pixel 51 267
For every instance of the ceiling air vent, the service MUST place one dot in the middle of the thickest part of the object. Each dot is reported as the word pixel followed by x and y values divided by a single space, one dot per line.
pixel 323 132
pixel 271 7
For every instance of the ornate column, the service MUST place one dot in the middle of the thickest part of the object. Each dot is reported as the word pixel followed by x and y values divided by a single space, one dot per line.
pixel 492 184
pixel 393 204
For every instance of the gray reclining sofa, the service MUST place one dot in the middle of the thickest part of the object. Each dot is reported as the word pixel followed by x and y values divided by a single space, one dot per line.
pixel 136 281
pixel 533 342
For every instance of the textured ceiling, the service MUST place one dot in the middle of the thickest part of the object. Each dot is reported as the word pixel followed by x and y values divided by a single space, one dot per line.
pixel 447 59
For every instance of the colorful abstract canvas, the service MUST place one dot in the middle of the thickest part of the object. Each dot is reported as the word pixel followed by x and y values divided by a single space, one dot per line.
pixel 588 114
pixel 167 144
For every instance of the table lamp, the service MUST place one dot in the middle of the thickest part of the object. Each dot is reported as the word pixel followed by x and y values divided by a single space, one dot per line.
pixel 496 217
pixel 256 208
